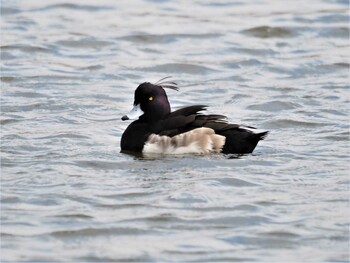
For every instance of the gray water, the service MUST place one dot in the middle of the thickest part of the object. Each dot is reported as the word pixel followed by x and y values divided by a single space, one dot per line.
pixel 68 73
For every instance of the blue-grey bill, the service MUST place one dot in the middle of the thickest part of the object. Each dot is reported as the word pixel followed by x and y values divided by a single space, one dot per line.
pixel 134 113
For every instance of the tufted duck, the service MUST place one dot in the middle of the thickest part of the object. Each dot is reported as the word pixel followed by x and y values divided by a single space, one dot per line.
pixel 187 130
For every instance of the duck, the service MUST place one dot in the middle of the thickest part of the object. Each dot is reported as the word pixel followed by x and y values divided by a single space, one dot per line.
pixel 158 130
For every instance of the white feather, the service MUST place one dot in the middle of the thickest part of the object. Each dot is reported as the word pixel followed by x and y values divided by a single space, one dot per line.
pixel 253 130
pixel 197 141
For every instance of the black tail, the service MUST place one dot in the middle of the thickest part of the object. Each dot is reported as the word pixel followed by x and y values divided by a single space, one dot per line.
pixel 254 138
pixel 241 140
pixel 262 135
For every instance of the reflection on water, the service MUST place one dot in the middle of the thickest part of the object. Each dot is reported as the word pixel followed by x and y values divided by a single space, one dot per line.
pixel 68 73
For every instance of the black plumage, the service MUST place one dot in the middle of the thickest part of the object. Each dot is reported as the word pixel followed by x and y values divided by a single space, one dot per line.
pixel 158 119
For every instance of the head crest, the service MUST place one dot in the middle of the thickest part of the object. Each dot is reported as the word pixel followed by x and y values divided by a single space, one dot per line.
pixel 167 84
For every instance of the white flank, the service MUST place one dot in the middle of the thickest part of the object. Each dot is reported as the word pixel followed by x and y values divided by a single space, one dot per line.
pixel 197 141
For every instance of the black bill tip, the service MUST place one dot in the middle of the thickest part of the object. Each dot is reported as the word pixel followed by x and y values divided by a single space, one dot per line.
pixel 125 118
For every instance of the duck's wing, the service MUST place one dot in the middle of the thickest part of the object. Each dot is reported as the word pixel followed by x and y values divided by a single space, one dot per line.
pixel 177 121
pixel 189 118
pixel 186 111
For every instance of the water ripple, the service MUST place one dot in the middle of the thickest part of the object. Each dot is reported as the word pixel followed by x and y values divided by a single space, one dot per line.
pixel 71 6
pixel 180 68
pixel 68 73
pixel 269 32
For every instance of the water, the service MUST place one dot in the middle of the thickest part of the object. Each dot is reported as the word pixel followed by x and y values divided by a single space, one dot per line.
pixel 68 73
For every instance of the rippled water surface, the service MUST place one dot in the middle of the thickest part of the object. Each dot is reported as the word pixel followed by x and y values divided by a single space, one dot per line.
pixel 68 73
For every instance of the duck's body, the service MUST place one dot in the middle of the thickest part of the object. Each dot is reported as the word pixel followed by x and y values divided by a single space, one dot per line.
pixel 183 131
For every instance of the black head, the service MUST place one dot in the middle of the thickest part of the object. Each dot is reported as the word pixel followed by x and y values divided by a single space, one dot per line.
pixel 153 102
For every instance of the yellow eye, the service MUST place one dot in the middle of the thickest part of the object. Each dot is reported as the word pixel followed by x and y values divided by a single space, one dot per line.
pixel 150 98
